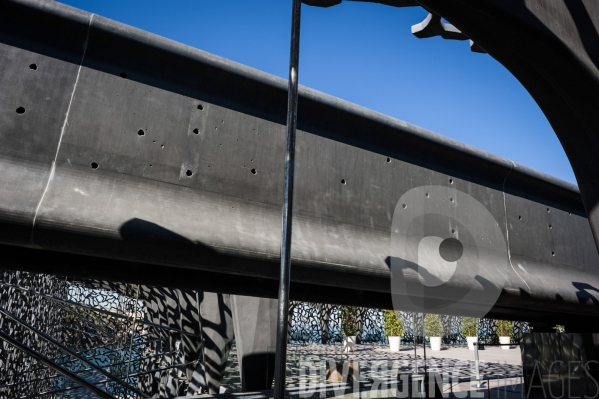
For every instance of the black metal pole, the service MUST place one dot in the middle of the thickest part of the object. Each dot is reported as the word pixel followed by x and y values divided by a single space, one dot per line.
pixel 41 358
pixel 424 341
pixel 283 314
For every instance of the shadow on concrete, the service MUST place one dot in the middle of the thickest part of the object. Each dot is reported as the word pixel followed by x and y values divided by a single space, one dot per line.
pixel 583 293
pixel 586 29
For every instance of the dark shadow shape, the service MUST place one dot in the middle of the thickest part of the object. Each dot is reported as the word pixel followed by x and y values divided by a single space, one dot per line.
pixel 586 29
pixel 388 262
pixel 441 296
pixel 253 376
pixel 524 293
pixel 142 230
pixel 583 293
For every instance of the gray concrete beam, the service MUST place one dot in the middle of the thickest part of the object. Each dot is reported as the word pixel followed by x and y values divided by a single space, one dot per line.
pixel 159 156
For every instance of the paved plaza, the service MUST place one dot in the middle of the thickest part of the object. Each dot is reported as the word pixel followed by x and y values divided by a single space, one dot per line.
pixel 500 369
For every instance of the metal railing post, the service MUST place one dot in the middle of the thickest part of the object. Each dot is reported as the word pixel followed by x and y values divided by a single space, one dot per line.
pixel 477 384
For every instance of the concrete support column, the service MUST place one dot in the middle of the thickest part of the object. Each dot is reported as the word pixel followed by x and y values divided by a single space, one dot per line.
pixel 217 332
pixel 207 318
pixel 255 322
pixel 178 310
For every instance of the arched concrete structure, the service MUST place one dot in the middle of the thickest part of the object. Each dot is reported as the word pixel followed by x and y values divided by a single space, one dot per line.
pixel 552 48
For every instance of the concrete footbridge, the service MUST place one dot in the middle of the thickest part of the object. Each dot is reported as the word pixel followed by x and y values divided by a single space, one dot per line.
pixel 126 156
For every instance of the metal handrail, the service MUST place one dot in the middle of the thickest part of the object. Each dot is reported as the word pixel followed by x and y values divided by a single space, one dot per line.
pixel 79 371
pixel 83 370
pixel 104 381
pixel 106 312
pixel 71 353
pixel 41 358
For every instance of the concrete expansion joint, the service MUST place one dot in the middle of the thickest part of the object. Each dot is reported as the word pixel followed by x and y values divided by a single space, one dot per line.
pixel 64 126
pixel 507 230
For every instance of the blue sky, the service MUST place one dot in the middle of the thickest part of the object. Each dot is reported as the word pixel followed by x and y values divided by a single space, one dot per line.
pixel 365 53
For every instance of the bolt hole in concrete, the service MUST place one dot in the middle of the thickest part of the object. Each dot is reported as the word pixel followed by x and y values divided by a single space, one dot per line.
pixel 123 75
pixel 196 130
pixel 427 195
pixel 451 249
pixel 94 165
pixel 450 181
pixel 140 132
pixel 254 171
pixel 550 227
pixel 343 181
pixel 552 253
pixel 200 107
pixel 189 173
pixel 404 206
pixel 162 146
pixel 548 210
pixel 389 160
pixel 20 110
pixel 437 259
pixel 33 66
pixel 519 217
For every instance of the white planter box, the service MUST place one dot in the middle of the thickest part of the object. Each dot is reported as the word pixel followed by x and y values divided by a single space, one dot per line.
pixel 435 343
pixel 471 341
pixel 504 340
pixel 349 343
pixel 394 344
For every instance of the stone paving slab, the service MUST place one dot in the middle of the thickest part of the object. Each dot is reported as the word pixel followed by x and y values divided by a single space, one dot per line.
pixel 499 389
pixel 305 365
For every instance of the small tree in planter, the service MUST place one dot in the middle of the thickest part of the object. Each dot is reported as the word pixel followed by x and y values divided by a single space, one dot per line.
pixel 434 330
pixel 393 328
pixel 349 327
pixel 505 330
pixel 470 330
